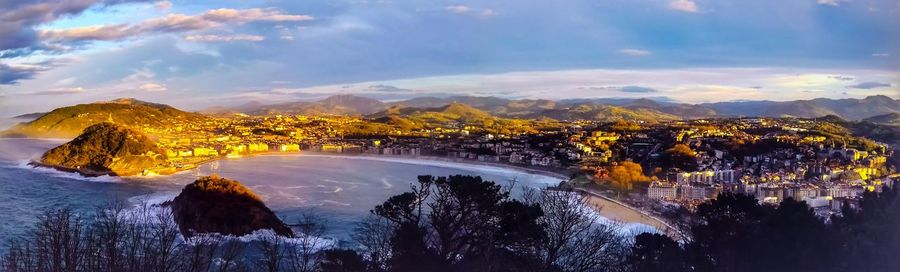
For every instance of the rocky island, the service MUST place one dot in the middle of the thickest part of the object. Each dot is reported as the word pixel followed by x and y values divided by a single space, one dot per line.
pixel 217 205
pixel 107 149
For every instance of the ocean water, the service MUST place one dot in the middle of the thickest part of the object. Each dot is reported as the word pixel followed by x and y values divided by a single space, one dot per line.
pixel 340 189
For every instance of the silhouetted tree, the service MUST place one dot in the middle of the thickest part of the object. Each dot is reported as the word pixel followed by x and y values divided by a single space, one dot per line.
pixel 342 260
pixel 654 252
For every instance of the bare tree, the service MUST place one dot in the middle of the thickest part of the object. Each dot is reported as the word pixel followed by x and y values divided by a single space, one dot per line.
pixel 231 255
pixel 576 240
pixel 271 249
pixel 303 251
pixel 374 236
pixel 58 241
pixel 199 252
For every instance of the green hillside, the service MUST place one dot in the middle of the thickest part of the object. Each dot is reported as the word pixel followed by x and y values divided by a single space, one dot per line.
pixel 106 148
pixel 69 122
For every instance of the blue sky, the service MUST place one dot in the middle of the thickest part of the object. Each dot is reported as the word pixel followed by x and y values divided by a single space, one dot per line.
pixel 195 54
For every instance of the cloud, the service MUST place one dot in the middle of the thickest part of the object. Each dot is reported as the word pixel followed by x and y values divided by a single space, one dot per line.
pixel 13 73
pixel 624 89
pixel 877 55
pixel 171 23
pixel 152 87
pixel 18 20
pixel 59 91
pixel 637 89
pixel 224 38
pixel 634 52
pixel 163 5
pixel 462 10
pixel 458 9
pixel 869 85
pixel 684 5
pixel 834 3
pixel 842 77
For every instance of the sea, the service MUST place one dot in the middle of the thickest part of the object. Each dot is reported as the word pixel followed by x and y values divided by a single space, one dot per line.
pixel 341 189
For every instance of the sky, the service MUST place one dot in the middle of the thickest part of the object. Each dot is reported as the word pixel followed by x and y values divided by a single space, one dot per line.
pixel 201 53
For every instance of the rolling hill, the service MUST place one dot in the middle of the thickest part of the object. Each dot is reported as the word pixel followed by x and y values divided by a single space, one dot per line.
pixel 68 122
pixel 850 109
pixel 885 119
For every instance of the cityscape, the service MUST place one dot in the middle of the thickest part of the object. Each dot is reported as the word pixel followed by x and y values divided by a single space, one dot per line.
pixel 381 136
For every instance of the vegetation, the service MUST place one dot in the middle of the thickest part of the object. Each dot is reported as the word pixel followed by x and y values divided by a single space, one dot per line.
pixel 106 148
pixel 464 223
pixel 216 205
pixel 70 121
pixel 680 156
pixel 625 175
pixel 736 233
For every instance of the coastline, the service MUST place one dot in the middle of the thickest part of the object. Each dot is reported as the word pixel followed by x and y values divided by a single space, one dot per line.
pixel 610 209
pixel 620 211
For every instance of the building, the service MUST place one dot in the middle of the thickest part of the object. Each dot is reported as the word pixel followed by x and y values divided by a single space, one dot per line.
pixel 289 148
pixel 259 147
pixel 662 191
pixel 706 177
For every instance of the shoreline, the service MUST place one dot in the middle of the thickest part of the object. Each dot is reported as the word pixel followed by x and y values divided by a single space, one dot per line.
pixel 619 209
pixel 612 210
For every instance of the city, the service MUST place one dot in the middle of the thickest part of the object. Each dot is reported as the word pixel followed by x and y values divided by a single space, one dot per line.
pixel 449 136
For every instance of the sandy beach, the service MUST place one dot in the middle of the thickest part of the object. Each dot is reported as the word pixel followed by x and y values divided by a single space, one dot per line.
pixel 622 212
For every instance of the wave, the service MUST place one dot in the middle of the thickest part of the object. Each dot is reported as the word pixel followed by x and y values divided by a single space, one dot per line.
pixel 24 165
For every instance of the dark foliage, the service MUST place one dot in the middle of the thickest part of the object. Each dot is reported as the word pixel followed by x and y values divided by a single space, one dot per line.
pixel 736 233
pixel 217 205
pixel 464 223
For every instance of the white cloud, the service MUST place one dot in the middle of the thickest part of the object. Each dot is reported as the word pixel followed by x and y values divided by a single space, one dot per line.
pixel 466 10
pixel 829 2
pixel 881 55
pixel 169 24
pixel 163 5
pixel 224 38
pixel 458 9
pixel 152 87
pixel 684 5
pixel 634 52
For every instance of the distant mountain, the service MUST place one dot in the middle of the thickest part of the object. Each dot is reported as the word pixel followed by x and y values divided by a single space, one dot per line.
pixel 684 111
pixel 615 100
pixel 851 109
pixel 333 105
pixel 68 122
pixel 409 116
pixel 885 119
pixel 600 112
pixel 106 149
pixel 29 116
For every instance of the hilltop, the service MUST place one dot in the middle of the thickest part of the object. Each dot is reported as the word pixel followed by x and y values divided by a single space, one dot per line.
pixel 333 105
pixel 68 122
pixel 217 205
pixel 106 149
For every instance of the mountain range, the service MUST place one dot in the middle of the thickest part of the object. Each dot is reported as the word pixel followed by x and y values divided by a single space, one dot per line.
pixel 603 109
pixel 68 122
